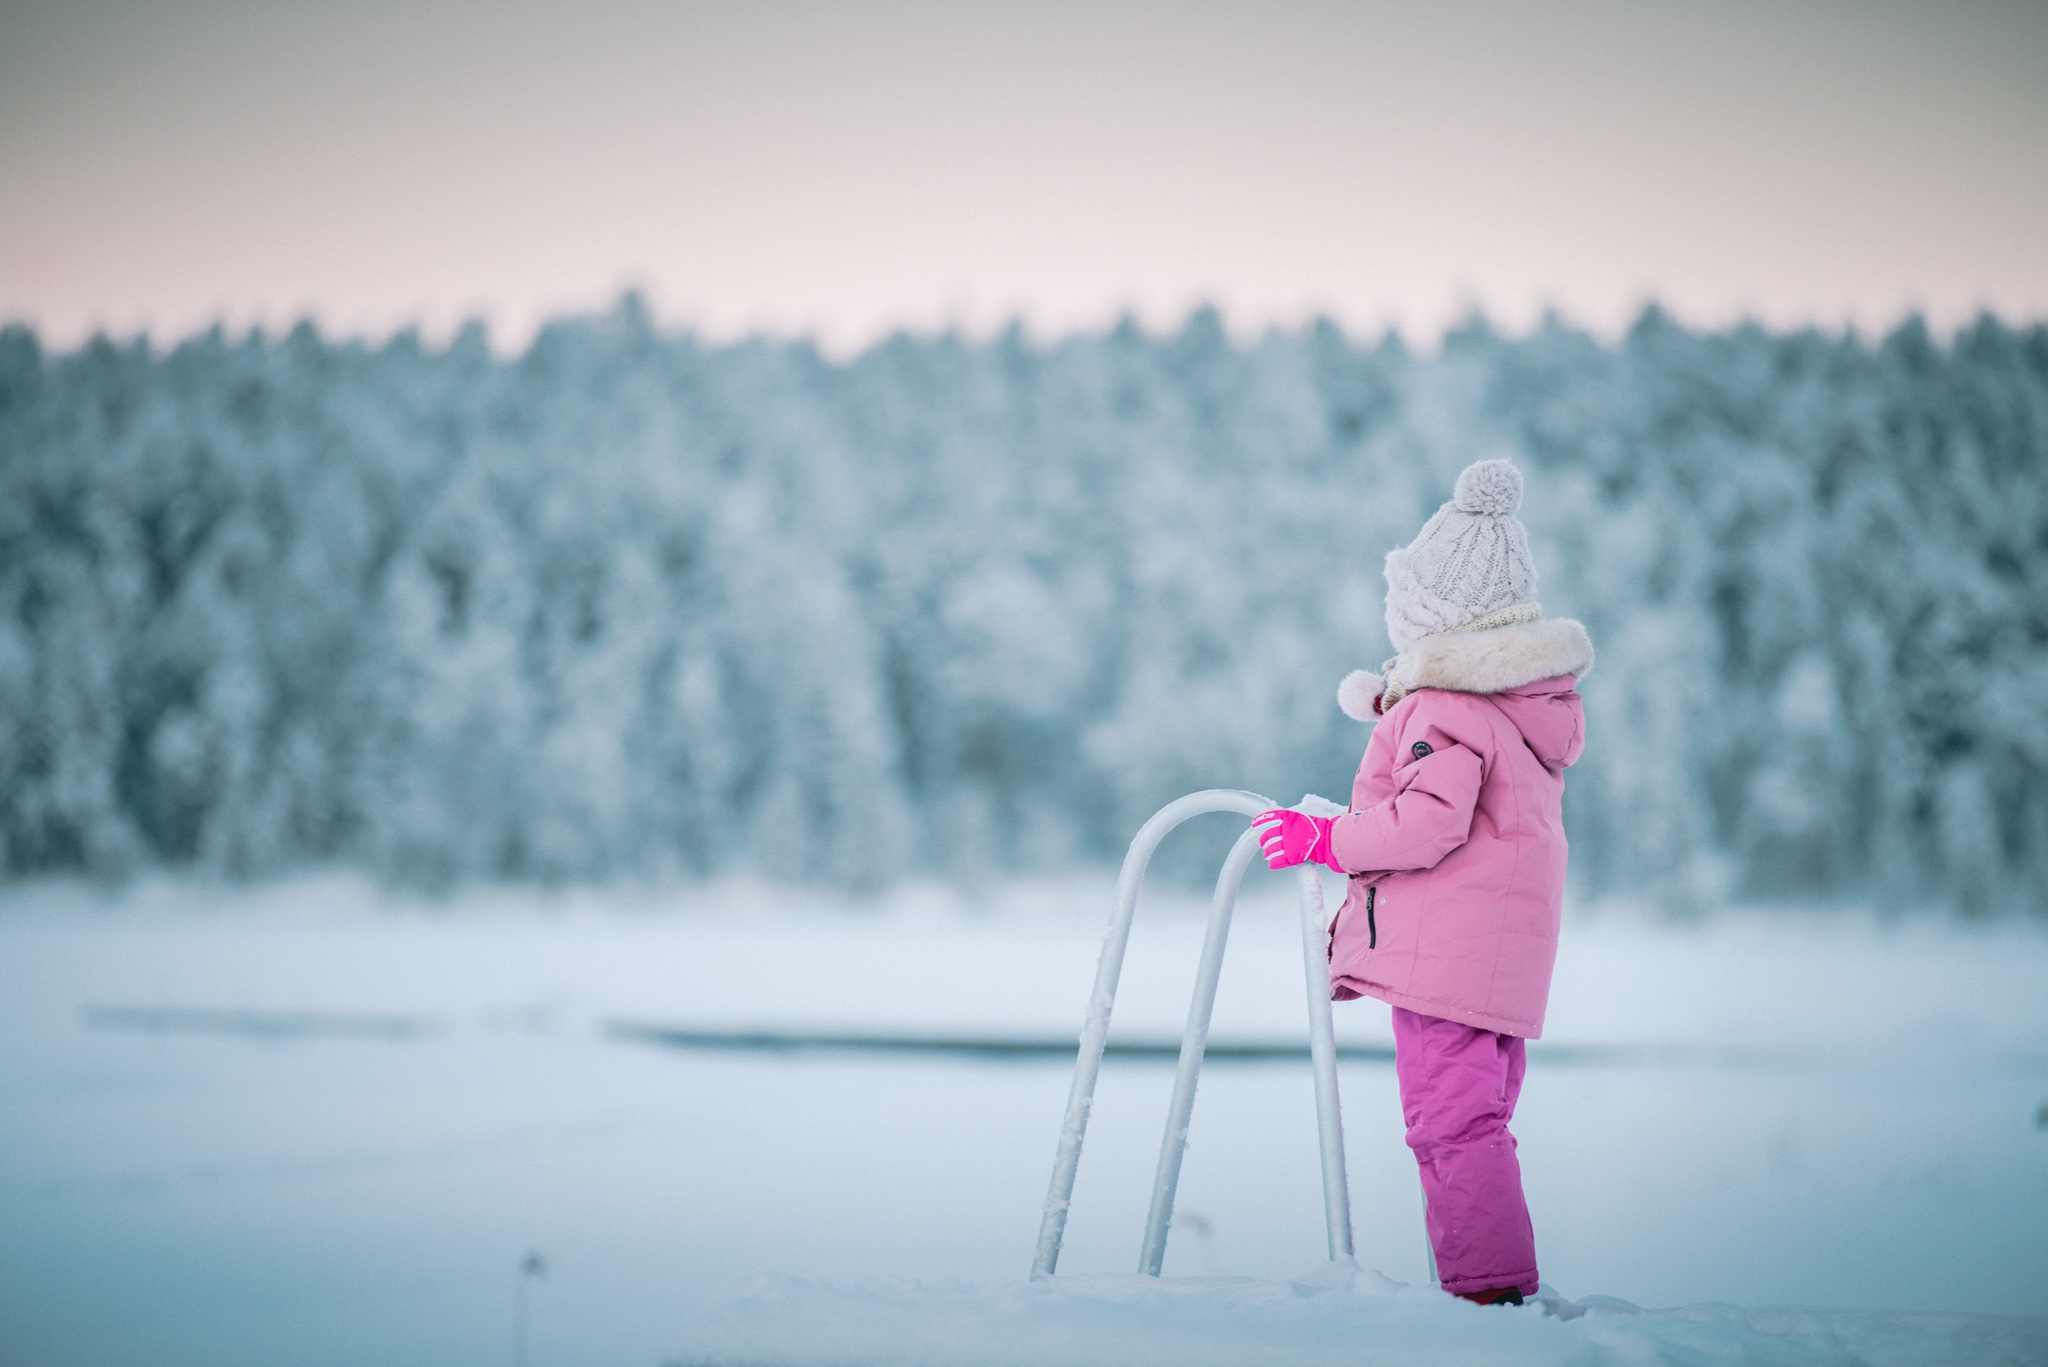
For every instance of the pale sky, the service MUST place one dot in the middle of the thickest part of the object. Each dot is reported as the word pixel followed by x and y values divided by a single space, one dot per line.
pixel 844 169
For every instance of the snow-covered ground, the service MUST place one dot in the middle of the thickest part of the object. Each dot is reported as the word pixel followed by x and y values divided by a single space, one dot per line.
pixel 1334 1316
pixel 1767 1111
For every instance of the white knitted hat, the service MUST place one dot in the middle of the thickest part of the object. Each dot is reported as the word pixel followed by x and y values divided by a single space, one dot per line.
pixel 1469 564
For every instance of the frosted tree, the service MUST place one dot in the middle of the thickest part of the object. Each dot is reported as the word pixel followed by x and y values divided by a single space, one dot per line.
pixel 629 605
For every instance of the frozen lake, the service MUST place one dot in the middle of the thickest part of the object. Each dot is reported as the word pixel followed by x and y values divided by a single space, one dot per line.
pixel 348 1121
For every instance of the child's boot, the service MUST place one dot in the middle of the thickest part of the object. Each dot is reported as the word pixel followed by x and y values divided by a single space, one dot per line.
pixel 1499 1295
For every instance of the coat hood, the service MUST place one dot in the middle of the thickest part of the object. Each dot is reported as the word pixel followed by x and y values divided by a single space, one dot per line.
pixel 1550 717
pixel 1496 660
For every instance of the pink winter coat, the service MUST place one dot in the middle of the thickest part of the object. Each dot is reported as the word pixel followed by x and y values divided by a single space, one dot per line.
pixel 1455 838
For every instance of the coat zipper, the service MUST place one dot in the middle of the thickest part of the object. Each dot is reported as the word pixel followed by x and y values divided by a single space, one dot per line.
pixel 1372 928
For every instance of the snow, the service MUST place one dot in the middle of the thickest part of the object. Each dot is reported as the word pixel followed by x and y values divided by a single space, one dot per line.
pixel 1335 1314
pixel 1763 1111
pixel 635 607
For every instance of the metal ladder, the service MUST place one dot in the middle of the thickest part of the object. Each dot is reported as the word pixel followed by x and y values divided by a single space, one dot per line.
pixel 1095 1034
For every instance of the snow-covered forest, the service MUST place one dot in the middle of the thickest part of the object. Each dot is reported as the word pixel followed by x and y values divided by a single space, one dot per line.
pixel 634 605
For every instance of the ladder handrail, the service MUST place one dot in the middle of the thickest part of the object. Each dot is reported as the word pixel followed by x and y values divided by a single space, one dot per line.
pixel 1201 1008
pixel 1102 1000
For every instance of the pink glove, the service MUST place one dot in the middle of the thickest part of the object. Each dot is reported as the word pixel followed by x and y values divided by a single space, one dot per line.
pixel 1289 838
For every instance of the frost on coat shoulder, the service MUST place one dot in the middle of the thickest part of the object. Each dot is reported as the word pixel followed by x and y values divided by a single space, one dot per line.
pixel 1455 838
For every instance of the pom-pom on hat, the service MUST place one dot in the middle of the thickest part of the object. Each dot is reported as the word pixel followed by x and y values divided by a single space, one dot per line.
pixel 1490 487
pixel 1469 565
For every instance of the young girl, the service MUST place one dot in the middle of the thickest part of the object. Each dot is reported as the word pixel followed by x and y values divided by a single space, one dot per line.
pixel 1455 847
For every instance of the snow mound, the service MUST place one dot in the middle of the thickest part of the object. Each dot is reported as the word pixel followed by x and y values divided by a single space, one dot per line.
pixel 1339 1314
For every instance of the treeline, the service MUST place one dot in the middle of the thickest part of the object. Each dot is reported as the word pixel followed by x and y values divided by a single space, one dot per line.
pixel 633 605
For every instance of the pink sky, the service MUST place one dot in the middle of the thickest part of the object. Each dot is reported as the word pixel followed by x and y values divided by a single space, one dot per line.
pixel 846 169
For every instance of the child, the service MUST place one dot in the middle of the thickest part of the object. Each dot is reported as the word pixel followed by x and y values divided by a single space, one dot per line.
pixel 1455 847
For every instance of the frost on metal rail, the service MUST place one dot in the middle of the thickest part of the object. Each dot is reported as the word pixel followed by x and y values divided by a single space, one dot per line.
pixel 1095 1035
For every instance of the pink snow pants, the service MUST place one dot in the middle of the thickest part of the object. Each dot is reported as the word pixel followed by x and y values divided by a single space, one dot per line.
pixel 1458 1090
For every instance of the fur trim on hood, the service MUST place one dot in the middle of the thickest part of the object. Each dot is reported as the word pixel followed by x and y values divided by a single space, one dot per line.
pixel 1490 661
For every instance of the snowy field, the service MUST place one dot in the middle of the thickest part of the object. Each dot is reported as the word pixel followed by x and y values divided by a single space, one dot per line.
pixel 302 1125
